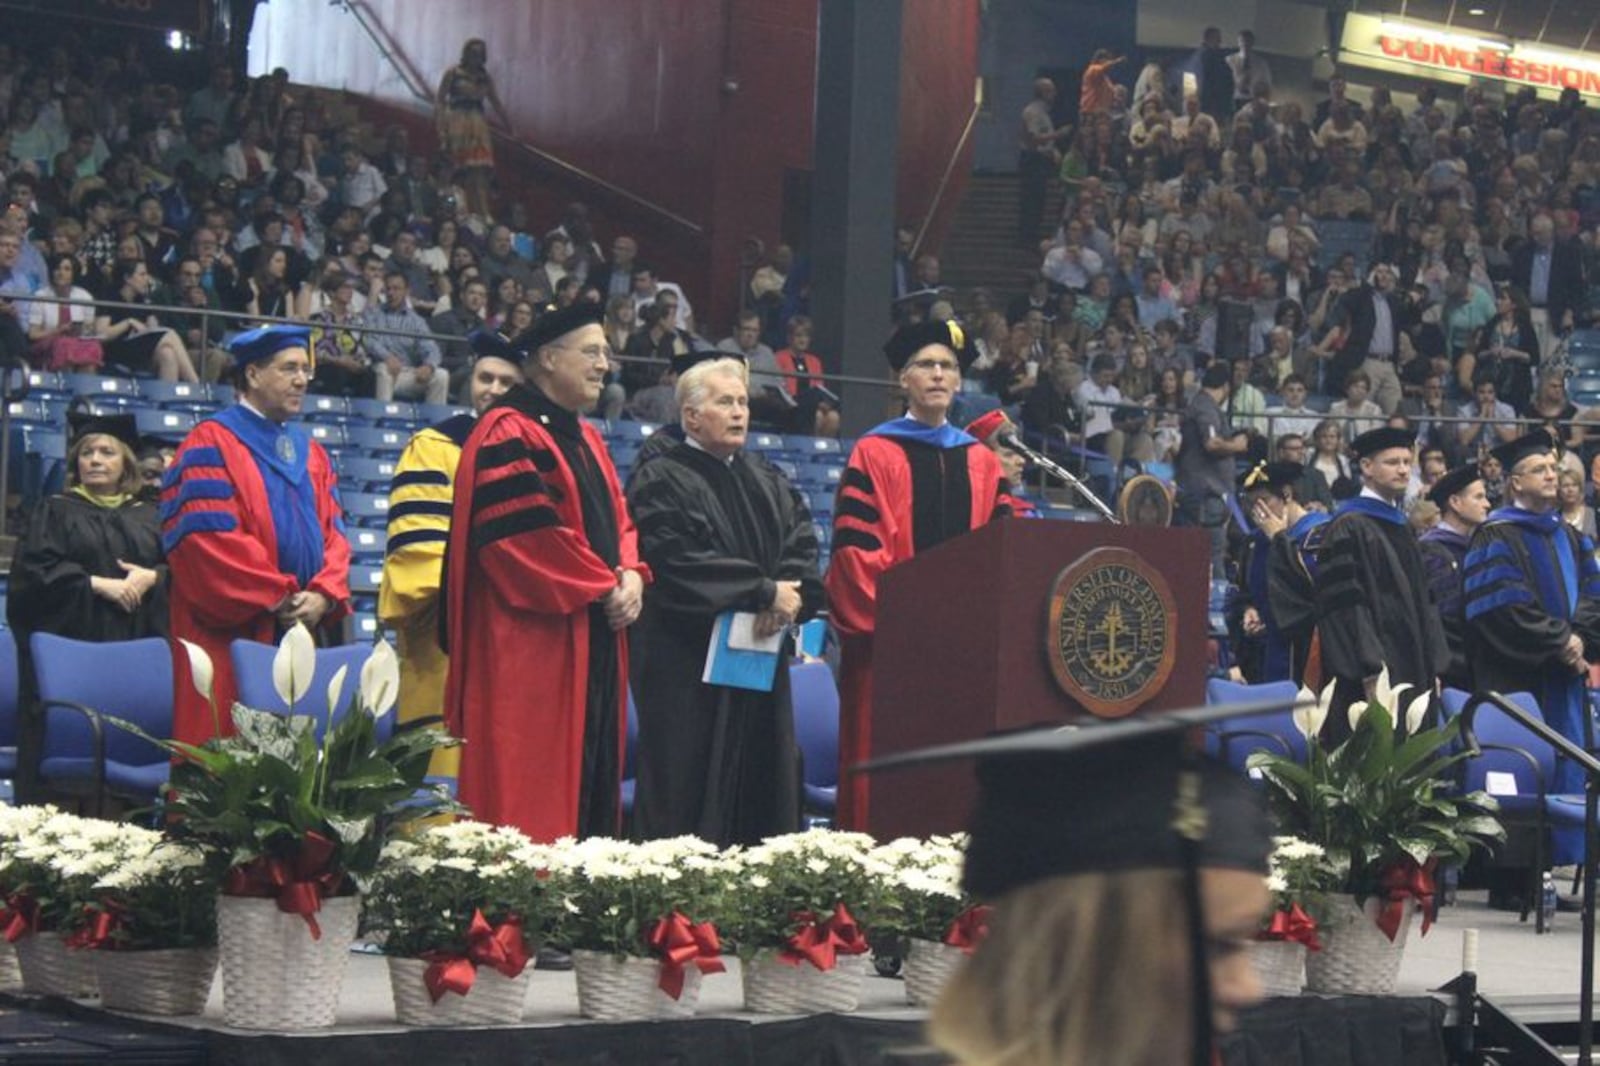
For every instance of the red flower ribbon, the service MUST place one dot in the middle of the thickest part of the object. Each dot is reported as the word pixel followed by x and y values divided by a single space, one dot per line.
pixel 969 928
pixel 19 916
pixel 677 942
pixel 1404 881
pixel 298 887
pixel 96 933
pixel 499 947
pixel 1293 925
pixel 821 942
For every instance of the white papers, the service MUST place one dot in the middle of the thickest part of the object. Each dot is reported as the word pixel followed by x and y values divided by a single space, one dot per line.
pixel 742 635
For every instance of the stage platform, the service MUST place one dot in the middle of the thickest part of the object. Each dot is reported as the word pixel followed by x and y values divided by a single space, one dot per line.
pixel 1517 967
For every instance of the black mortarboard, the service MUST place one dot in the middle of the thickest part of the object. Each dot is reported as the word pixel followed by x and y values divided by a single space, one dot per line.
pixel 682 361
pixel 1276 475
pixel 252 346
pixel 1452 482
pixel 488 343
pixel 909 340
pixel 82 423
pixel 1513 452
pixel 553 325
pixel 1381 439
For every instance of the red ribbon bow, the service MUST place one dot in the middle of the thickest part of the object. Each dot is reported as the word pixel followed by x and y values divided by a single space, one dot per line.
pixel 677 942
pixel 821 942
pixel 1403 881
pixel 20 916
pixel 298 887
pixel 1293 925
pixel 500 947
pixel 969 928
pixel 96 933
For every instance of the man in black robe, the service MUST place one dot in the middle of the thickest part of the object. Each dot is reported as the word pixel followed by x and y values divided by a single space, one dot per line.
pixel 1373 606
pixel 722 531
pixel 1463 505
pixel 1277 572
pixel 1533 600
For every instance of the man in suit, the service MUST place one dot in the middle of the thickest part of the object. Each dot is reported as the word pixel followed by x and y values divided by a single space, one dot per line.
pixel 1365 335
pixel 1551 273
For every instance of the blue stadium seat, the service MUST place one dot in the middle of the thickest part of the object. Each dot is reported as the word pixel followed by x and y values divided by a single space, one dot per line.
pixel 366 543
pixel 390 413
pixel 374 474
pixel 318 408
pixel 327 434
pixel 365 627
pixel 800 444
pixel 768 444
pixel 370 509
pixel 101 385
pixel 32 413
pixel 10 704
pixel 170 426
pixel 1275 732
pixel 378 440
pixel 365 580
pixel 627 429
pixel 430 414
pixel 816 730
pixel 252 668
pixel 630 765
pixel 194 397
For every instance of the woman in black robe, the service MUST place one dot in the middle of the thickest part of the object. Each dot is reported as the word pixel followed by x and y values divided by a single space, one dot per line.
pixel 89 566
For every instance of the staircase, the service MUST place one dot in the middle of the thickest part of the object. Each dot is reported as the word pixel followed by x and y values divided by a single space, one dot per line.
pixel 981 248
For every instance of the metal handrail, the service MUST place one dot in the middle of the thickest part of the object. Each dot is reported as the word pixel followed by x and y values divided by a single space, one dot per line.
pixel 950 166
pixel 412 78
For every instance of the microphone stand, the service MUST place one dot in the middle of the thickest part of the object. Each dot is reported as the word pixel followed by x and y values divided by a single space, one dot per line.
pixel 1050 466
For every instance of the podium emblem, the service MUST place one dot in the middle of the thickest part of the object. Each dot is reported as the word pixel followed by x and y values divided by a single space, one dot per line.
pixel 1112 632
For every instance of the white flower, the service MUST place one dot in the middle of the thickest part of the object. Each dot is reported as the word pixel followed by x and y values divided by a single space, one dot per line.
pixel 1416 712
pixel 294 665
pixel 1386 697
pixel 380 679
pixel 756 881
pixel 335 688
pixel 1356 712
pixel 1311 711
pixel 201 671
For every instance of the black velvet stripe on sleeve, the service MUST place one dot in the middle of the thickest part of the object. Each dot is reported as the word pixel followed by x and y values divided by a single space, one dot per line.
pixel 527 520
pixel 844 539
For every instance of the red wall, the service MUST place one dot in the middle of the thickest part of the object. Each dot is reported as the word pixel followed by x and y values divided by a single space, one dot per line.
pixel 634 93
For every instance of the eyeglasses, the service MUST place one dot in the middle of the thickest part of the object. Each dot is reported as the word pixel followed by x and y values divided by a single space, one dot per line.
pixel 931 365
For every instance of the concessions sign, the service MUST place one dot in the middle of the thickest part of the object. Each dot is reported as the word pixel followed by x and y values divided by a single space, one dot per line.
pixel 1420 49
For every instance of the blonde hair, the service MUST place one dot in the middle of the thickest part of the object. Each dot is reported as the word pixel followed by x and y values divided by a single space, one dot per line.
pixel 128 484
pixel 1079 970
pixel 693 384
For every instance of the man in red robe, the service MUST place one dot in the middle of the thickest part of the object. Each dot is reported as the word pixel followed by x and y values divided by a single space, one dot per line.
pixel 542 583
pixel 912 483
pixel 251 524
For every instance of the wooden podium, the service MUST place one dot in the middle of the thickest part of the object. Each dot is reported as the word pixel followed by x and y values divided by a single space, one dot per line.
pixel 967 633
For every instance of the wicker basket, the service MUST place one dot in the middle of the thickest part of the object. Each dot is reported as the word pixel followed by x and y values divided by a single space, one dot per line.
pixel 928 965
pixel 1356 958
pixel 773 987
pixel 274 975
pixel 50 968
pixel 1281 965
pixel 168 981
pixel 613 988
pixel 10 972
pixel 494 998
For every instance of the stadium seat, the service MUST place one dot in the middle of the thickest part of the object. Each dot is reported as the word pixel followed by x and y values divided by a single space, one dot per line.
pixel 816 729
pixel 630 757
pixel 102 385
pixel 317 408
pixel 390 413
pixel 431 414
pixel 252 669
pixel 801 444
pixel 194 397
pixel 81 685
pixel 170 426
pixel 365 580
pixel 626 429
pixel 377 440
pixel 365 627
pixel 374 474
pixel 32 413
pixel 766 443
pixel 1276 732
pixel 366 543
pixel 10 704
pixel 370 509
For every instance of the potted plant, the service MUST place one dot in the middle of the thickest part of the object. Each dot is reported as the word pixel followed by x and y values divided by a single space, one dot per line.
pixel 1384 808
pixel 294 824
pixel 18 913
pixel 457 909
pixel 798 908
pixel 935 922
pixel 1299 879
pixel 636 918
pixel 152 920
pixel 49 876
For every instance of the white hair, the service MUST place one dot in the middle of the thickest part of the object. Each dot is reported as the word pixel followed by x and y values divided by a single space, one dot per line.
pixel 693 384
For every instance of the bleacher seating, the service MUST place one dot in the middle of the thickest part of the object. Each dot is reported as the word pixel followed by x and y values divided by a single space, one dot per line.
pixel 179 396
pixel 378 440
pixel 366 543
pixel 388 413
pixel 431 414
pixel 326 409
pixel 373 474
pixel 370 509
pixel 102 385
pixel 169 426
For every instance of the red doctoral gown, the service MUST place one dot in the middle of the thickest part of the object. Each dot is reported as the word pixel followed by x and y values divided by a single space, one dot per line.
pixel 907 488
pixel 222 546
pixel 521 577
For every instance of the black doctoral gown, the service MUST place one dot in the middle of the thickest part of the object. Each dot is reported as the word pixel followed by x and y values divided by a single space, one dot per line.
pixel 714 761
pixel 1374 608
pixel 70 540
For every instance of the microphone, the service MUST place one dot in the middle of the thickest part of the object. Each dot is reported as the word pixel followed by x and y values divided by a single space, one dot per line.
pixel 1008 439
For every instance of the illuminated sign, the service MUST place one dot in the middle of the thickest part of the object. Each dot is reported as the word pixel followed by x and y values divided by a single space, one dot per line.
pixel 1403 47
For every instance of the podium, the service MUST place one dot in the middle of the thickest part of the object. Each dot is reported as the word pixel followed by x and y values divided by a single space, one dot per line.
pixel 1025 623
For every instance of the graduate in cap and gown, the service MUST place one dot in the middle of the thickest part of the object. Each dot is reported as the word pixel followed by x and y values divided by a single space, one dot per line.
pixel 722 531
pixel 542 581
pixel 1463 505
pixel 1278 567
pixel 420 497
pixel 1126 876
pixel 89 566
pixel 911 484
pixel 1533 599
pixel 251 524
pixel 1374 610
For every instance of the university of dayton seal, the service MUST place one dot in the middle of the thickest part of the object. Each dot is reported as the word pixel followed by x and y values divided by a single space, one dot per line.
pixel 1112 632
